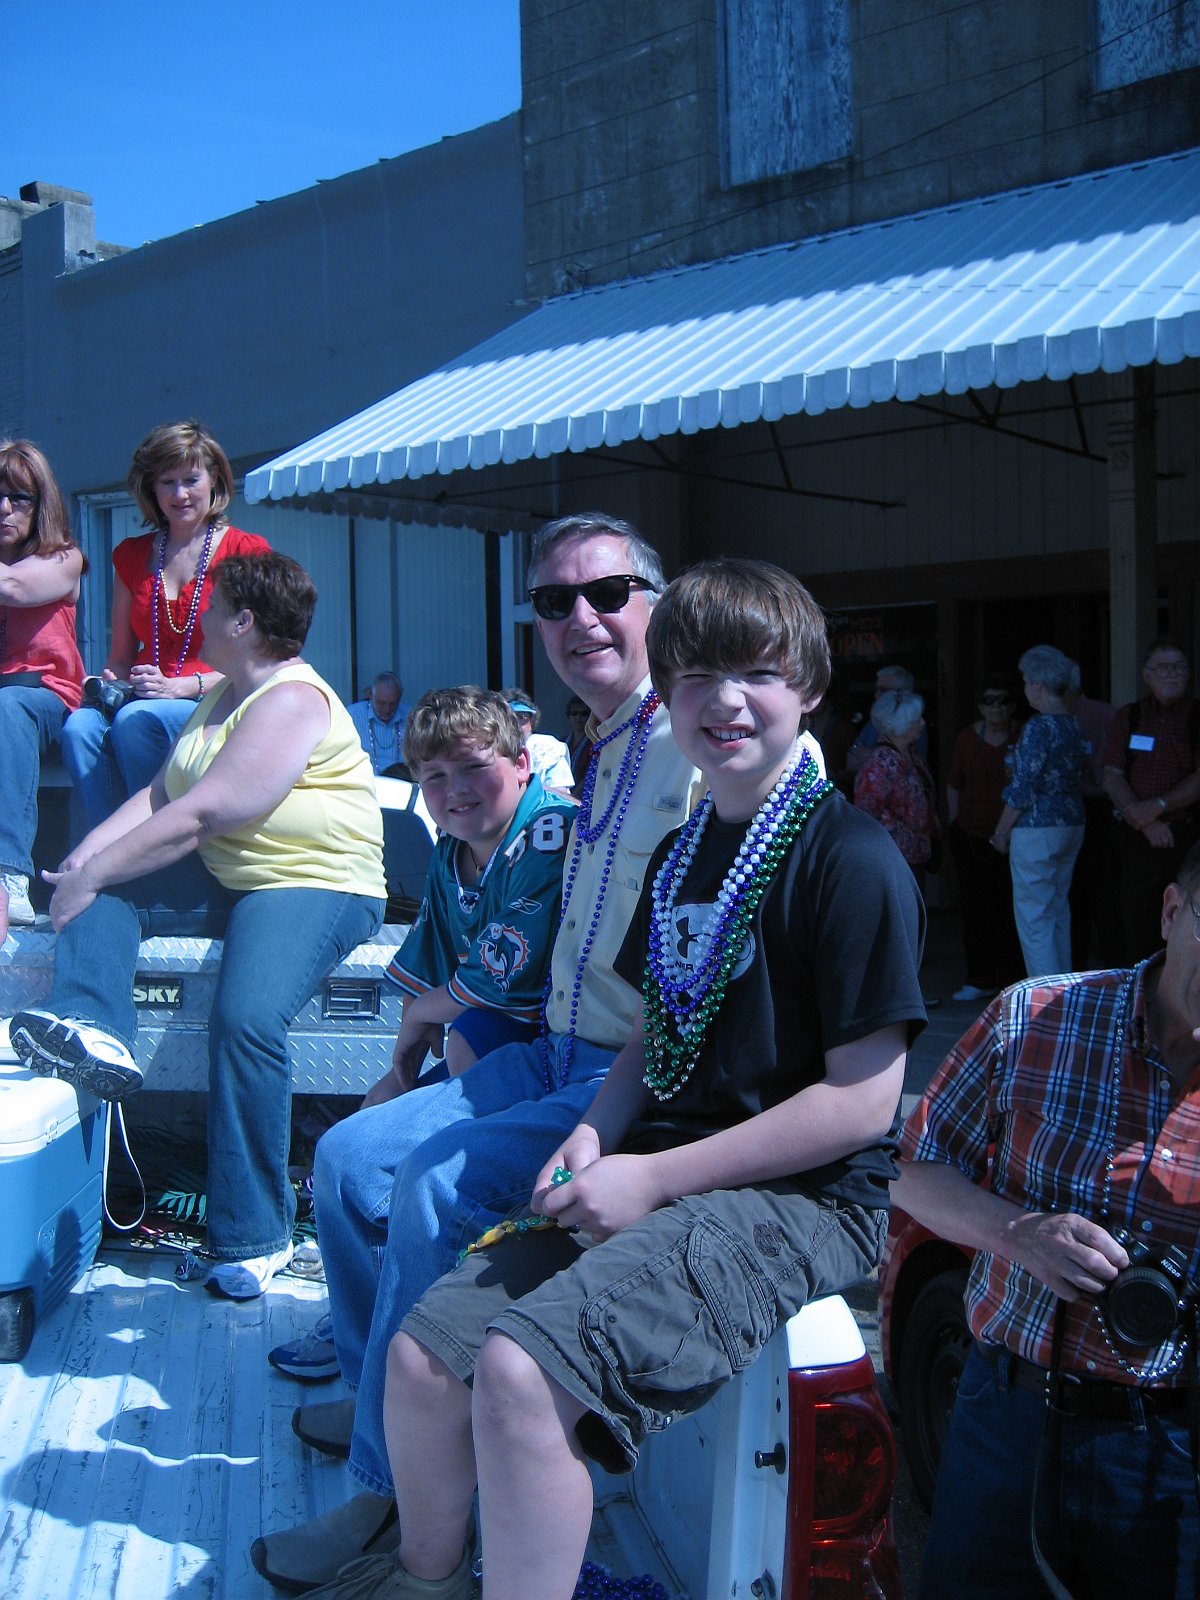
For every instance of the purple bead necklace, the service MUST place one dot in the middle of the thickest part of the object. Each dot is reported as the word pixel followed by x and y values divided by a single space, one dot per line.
pixel 588 831
pixel 194 609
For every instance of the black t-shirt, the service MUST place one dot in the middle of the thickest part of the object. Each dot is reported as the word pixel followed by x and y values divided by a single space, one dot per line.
pixel 831 956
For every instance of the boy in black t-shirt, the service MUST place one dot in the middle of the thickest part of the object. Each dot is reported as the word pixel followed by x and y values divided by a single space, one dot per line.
pixel 735 1162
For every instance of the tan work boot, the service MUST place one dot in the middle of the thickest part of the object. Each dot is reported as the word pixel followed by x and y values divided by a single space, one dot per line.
pixel 304 1558
pixel 326 1426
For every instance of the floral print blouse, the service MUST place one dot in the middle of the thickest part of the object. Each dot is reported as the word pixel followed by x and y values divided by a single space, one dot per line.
pixel 1047 772
pixel 897 789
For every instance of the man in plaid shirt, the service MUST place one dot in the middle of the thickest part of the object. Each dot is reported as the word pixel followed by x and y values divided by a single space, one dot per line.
pixel 1152 777
pixel 1070 1110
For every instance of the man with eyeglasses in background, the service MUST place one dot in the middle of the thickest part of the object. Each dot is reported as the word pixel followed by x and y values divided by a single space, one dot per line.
pixel 1152 777
pixel 404 1185
pixel 1060 1138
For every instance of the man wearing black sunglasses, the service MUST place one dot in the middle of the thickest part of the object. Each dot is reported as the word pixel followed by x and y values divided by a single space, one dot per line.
pixel 402 1187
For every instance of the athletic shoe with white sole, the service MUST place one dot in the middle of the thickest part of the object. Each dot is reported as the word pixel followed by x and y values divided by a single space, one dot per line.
pixel 76 1051
pixel 972 992
pixel 311 1357
pixel 20 912
pixel 246 1280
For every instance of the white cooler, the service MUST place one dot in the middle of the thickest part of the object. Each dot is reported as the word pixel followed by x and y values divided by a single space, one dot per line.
pixel 51 1182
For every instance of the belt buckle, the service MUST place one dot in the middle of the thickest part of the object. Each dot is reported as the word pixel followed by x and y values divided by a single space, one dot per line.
pixel 1060 1387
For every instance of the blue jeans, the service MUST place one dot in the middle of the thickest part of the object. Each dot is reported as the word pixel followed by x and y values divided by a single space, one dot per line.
pixel 402 1187
pixel 110 761
pixel 279 945
pixel 30 722
pixel 1117 1512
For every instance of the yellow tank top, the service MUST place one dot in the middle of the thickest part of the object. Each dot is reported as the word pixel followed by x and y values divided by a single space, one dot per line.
pixel 326 832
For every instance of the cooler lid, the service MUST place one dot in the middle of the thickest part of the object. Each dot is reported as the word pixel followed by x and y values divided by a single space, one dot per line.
pixel 33 1110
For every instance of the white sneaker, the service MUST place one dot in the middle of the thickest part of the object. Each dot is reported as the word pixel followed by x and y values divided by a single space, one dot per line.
pixel 76 1051
pixel 246 1280
pixel 20 912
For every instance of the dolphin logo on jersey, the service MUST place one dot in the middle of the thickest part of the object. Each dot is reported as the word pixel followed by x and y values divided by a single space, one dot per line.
pixel 503 952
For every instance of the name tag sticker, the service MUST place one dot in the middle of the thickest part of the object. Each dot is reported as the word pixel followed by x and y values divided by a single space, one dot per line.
pixel 668 802
pixel 1141 741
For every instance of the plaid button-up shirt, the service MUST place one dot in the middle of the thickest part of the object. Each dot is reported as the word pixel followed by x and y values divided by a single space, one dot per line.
pixel 1056 1098
pixel 1173 758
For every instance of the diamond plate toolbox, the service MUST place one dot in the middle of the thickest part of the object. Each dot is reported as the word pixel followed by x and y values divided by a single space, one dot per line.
pixel 341 1042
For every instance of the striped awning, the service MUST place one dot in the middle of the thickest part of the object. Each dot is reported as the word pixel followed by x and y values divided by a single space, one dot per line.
pixel 1095 273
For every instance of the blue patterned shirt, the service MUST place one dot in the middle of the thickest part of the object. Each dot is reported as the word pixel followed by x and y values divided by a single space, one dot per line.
pixel 1047 772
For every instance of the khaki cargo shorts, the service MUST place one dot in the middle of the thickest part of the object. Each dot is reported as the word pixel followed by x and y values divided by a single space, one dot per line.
pixel 646 1327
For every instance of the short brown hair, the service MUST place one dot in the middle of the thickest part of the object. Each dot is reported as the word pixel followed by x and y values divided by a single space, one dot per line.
pixel 729 613
pixel 23 467
pixel 443 717
pixel 277 590
pixel 179 444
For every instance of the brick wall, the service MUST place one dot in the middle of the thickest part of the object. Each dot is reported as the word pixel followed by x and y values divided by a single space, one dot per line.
pixel 951 98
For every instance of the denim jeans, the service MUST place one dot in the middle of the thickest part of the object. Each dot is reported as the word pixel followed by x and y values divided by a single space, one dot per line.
pixel 402 1187
pixel 1042 860
pixel 30 722
pixel 279 945
pixel 110 761
pixel 1117 1513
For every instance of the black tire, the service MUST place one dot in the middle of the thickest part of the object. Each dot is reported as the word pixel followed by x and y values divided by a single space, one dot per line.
pixel 933 1354
pixel 16 1324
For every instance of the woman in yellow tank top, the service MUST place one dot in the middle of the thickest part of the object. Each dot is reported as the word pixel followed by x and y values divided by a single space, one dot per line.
pixel 262 827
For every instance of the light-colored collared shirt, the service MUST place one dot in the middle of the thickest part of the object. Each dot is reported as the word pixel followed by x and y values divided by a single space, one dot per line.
pixel 381 740
pixel 667 788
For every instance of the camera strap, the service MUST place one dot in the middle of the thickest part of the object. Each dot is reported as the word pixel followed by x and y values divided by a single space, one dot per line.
pixel 1050 1444
pixel 1193 1404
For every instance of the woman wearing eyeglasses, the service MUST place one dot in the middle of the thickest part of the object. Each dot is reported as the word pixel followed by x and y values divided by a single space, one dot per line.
pixel 181 480
pixel 974 788
pixel 40 666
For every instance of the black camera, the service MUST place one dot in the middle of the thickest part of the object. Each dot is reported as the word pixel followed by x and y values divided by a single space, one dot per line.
pixel 1146 1302
pixel 107 694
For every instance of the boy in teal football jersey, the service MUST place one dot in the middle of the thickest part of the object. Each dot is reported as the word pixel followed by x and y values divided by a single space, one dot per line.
pixel 475 960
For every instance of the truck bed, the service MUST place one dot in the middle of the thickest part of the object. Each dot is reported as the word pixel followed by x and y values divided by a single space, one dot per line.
pixel 145 1442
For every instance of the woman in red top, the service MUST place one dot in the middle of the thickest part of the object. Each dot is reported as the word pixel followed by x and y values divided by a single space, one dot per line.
pixel 40 668
pixel 181 480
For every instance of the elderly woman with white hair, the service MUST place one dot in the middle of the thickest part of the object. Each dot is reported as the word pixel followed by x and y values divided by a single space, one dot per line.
pixel 894 785
pixel 1041 825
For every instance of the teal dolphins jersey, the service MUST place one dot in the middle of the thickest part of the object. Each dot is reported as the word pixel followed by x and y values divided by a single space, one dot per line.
pixel 491 942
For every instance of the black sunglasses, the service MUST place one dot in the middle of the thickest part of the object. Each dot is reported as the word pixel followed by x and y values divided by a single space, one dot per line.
pixel 554 601
pixel 995 700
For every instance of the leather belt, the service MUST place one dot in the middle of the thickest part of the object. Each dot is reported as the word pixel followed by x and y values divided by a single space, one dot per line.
pixel 1088 1399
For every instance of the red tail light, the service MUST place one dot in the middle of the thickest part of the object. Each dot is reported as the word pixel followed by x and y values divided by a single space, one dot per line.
pixel 840 1544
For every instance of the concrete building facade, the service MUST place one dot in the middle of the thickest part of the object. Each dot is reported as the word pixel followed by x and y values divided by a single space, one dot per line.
pixel 661 132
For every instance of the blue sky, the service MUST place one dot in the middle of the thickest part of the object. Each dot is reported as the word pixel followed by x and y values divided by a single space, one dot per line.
pixel 171 115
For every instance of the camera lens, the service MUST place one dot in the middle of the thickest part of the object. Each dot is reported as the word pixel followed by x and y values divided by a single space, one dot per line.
pixel 1142 1307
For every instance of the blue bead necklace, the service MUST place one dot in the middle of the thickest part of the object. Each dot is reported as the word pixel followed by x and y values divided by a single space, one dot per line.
pixel 588 831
